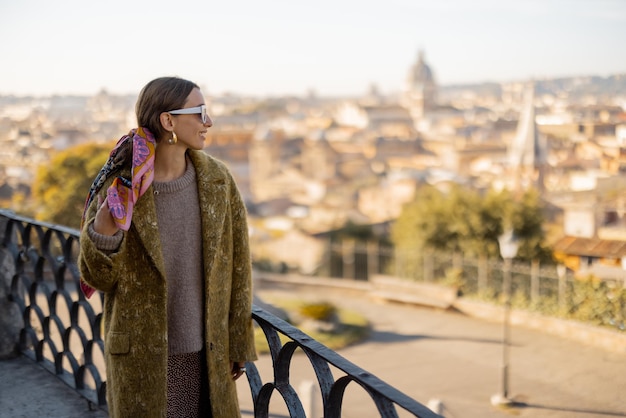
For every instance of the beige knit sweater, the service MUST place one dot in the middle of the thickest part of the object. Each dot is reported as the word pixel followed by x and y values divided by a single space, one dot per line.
pixel 178 218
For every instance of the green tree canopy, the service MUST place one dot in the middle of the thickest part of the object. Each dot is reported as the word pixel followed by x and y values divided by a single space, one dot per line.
pixel 527 221
pixel 467 221
pixel 60 186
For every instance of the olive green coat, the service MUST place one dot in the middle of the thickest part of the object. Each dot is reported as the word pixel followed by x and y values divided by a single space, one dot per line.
pixel 135 301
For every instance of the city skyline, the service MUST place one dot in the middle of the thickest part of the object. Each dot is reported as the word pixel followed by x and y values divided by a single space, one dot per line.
pixel 284 48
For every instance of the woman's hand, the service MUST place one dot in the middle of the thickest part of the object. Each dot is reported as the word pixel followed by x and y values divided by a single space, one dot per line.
pixel 237 369
pixel 104 223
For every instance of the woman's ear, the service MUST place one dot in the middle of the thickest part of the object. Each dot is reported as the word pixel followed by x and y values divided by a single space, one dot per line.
pixel 166 121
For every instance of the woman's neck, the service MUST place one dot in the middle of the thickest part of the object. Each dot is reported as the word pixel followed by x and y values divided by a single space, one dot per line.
pixel 170 162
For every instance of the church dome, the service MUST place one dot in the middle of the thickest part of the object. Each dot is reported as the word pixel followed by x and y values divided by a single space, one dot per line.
pixel 420 73
pixel 420 94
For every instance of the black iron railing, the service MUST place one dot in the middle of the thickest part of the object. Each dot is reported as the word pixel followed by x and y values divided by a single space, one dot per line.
pixel 385 397
pixel 62 330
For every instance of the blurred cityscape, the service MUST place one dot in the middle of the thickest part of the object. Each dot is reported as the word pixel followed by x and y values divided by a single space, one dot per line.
pixel 309 165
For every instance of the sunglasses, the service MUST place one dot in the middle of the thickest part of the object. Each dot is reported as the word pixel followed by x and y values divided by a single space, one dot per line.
pixel 201 110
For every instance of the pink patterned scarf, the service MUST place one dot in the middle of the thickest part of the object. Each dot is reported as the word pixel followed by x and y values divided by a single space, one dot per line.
pixel 124 193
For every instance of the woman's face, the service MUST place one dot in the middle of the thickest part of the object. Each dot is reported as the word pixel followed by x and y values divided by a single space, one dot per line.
pixel 189 128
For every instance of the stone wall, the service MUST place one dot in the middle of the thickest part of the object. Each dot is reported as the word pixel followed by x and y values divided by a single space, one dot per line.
pixel 11 321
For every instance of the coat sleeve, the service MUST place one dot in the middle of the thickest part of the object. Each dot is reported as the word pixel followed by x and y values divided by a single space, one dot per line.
pixel 241 329
pixel 97 268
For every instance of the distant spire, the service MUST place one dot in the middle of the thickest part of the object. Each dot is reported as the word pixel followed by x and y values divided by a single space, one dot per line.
pixel 528 150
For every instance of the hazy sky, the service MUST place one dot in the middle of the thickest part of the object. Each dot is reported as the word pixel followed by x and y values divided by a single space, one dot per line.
pixel 275 47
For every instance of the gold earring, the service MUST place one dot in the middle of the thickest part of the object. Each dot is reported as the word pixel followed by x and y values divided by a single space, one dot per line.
pixel 173 139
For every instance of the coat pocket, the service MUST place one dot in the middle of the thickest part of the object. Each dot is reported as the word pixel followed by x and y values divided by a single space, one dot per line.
pixel 118 342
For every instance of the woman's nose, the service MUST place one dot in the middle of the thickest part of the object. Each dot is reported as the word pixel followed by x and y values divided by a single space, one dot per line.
pixel 209 121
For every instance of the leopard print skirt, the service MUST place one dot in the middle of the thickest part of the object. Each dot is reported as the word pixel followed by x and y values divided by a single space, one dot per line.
pixel 187 386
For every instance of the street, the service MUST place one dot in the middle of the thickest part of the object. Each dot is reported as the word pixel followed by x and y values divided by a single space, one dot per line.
pixel 433 355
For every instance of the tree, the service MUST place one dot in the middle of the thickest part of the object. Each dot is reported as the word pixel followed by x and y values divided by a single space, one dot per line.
pixel 352 230
pixel 527 220
pixel 420 223
pixel 487 216
pixel 61 186
pixel 463 220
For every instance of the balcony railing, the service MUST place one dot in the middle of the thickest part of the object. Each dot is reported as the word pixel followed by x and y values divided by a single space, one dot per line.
pixel 62 330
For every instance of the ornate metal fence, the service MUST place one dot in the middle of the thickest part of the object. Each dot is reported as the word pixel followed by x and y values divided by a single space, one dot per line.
pixel 549 290
pixel 62 330
pixel 385 397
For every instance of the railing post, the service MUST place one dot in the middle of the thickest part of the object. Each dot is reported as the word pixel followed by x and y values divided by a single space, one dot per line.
pixel 396 262
pixel 329 257
pixel 309 398
pixel 534 282
pixel 347 255
pixel 561 271
pixel 482 274
pixel 428 265
pixel 373 251
pixel 457 260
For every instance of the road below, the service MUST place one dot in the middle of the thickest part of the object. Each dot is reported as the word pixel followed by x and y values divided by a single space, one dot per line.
pixel 456 359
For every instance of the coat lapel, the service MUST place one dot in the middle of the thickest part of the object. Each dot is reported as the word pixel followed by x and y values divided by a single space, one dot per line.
pixel 213 196
pixel 147 228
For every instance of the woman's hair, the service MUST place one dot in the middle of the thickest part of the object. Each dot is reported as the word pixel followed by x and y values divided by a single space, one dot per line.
pixel 158 96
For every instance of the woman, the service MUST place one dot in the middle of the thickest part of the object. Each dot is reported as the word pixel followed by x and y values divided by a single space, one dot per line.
pixel 165 237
